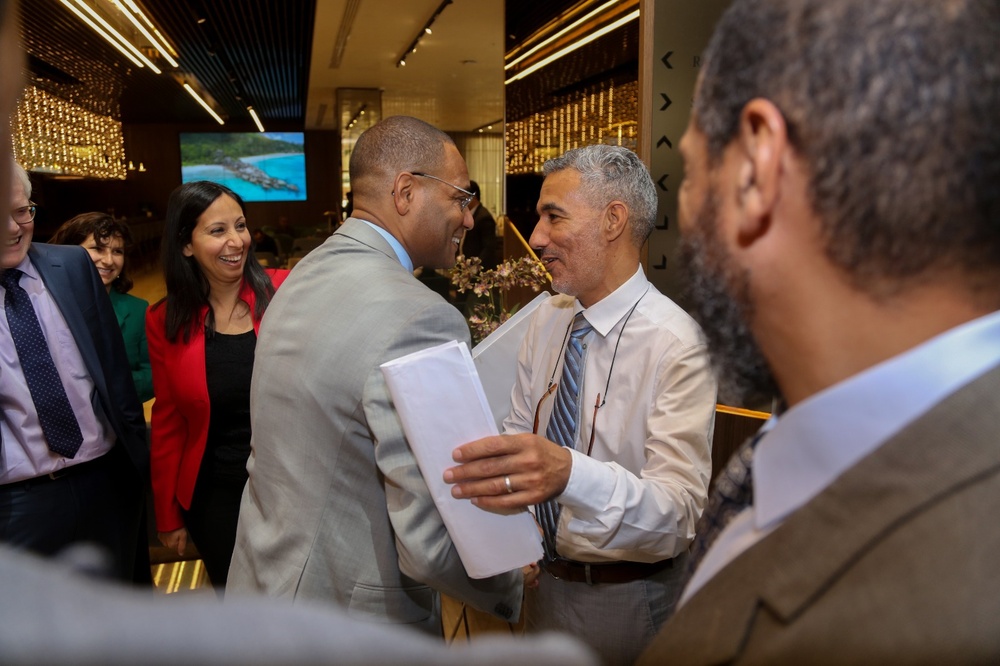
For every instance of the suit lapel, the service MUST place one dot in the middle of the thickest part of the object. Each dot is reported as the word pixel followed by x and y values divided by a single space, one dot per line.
pixel 950 445
pixel 67 295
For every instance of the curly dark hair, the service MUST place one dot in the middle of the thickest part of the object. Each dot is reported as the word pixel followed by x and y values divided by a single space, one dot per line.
pixel 187 287
pixel 104 227
pixel 893 106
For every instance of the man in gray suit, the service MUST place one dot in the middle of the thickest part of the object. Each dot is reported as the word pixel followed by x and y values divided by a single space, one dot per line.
pixel 841 224
pixel 336 508
pixel 50 614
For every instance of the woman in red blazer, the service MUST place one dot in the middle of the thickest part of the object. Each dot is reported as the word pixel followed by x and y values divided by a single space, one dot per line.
pixel 201 344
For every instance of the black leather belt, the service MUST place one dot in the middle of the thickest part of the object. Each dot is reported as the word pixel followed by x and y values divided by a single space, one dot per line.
pixel 605 572
pixel 56 475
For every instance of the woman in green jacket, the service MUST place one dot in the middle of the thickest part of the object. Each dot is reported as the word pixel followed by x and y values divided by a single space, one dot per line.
pixel 106 239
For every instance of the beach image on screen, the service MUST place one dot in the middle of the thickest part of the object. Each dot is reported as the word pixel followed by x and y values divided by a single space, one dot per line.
pixel 258 166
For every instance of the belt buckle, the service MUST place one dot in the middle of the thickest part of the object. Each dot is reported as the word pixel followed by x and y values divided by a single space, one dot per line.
pixel 586 573
pixel 58 474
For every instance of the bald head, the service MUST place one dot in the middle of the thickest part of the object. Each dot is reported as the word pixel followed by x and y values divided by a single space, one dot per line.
pixel 395 144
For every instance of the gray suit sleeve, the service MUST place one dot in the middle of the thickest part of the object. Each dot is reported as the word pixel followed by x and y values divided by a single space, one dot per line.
pixel 426 551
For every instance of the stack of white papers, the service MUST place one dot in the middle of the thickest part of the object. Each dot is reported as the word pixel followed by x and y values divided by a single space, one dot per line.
pixel 496 359
pixel 441 404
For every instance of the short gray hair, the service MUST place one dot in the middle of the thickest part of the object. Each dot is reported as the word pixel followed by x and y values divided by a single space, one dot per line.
pixel 613 173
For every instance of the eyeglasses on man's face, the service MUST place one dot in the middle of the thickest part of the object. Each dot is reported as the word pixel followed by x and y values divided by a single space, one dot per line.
pixel 463 202
pixel 24 214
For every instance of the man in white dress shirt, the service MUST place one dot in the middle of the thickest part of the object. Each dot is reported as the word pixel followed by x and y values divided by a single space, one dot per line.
pixel 841 223
pixel 631 484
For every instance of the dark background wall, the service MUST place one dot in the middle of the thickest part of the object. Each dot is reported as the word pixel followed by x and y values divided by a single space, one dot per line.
pixel 158 148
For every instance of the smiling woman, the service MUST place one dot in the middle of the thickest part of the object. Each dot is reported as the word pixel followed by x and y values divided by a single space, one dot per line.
pixel 202 338
pixel 107 240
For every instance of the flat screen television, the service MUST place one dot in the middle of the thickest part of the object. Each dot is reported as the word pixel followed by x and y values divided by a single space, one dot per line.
pixel 259 166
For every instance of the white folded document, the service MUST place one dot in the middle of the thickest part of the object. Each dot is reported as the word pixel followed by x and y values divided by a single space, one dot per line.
pixel 496 358
pixel 441 404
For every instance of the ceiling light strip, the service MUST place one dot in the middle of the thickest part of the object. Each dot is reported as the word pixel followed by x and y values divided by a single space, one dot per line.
pixel 346 25
pixel 159 47
pixel 559 34
pixel 426 30
pixel 256 120
pixel 204 104
pixel 165 42
pixel 96 28
pixel 573 47
pixel 127 44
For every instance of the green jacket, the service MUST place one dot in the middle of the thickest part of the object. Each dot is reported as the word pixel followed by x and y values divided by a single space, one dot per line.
pixel 131 314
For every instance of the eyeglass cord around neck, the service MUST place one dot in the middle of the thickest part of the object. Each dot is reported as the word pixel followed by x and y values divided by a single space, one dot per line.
pixel 601 399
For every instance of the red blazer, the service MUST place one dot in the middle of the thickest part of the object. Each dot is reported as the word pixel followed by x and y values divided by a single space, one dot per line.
pixel 181 410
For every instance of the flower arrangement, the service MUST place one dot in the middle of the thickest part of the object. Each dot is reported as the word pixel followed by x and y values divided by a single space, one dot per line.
pixel 492 287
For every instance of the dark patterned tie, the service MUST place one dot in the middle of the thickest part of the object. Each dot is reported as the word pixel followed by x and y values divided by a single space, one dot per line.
pixel 563 422
pixel 732 493
pixel 59 424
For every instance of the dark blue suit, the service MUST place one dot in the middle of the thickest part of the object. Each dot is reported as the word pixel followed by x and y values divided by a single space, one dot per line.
pixel 102 501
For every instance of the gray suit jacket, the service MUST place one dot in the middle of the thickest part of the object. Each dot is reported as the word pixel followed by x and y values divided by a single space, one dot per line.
pixel 895 562
pixel 49 615
pixel 336 508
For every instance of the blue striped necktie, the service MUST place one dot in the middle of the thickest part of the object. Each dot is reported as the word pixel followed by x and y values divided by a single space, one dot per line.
pixel 59 424
pixel 562 428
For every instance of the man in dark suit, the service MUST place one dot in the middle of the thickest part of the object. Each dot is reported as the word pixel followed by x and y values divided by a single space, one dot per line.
pixel 840 217
pixel 74 458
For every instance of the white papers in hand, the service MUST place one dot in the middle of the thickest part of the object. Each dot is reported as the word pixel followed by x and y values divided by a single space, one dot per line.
pixel 441 404
pixel 496 359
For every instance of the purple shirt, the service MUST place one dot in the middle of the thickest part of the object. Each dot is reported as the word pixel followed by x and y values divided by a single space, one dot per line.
pixel 24 452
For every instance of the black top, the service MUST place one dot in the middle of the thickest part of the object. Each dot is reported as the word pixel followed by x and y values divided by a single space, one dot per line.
pixel 228 368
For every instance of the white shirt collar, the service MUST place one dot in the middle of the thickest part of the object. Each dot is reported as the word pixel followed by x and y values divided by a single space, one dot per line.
pixel 814 442
pixel 605 313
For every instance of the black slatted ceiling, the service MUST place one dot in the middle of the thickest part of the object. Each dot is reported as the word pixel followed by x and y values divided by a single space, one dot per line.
pixel 246 52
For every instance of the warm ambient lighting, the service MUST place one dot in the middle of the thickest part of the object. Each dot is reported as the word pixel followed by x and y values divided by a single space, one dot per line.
pixel 357 117
pixel 204 104
pixel 559 34
pixel 109 31
pixel 488 126
pixel 256 120
pixel 600 113
pixel 426 30
pixel 131 17
pixel 51 135
pixel 573 47
pixel 162 40
pixel 96 28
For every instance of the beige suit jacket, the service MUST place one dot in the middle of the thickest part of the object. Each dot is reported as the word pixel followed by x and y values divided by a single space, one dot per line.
pixel 895 562
pixel 336 508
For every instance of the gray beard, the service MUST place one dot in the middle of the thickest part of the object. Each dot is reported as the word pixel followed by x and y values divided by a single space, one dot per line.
pixel 718 298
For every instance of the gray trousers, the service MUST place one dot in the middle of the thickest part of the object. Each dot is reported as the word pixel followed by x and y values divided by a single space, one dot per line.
pixel 617 620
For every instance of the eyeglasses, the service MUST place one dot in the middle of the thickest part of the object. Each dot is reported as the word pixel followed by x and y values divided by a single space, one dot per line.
pixel 25 214
pixel 463 202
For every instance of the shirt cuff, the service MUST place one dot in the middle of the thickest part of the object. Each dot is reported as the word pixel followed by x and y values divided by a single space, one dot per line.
pixel 590 485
